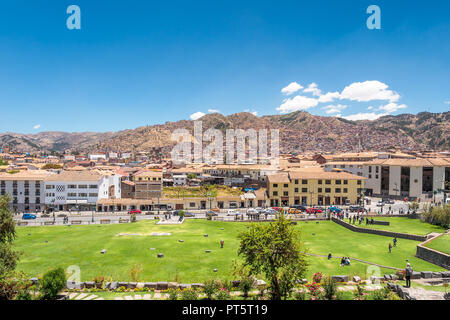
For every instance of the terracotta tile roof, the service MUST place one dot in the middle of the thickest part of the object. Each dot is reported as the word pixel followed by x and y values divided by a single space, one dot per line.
pixel 75 176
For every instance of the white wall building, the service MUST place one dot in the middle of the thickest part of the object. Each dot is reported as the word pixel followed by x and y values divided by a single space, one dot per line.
pixel 26 189
pixel 179 179
pixel 80 190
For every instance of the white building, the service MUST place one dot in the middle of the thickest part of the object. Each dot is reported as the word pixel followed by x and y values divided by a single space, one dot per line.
pixel 26 189
pixel 97 156
pixel 415 178
pixel 80 190
pixel 353 167
pixel 179 179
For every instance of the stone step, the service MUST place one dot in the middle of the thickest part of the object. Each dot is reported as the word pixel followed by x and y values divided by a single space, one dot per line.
pixel 81 296
pixel 128 298
pixel 91 297
pixel 118 298
pixel 73 295
pixel 147 296
pixel 138 297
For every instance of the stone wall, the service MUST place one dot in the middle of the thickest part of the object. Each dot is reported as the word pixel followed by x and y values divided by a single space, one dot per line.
pixel 379 232
pixel 436 257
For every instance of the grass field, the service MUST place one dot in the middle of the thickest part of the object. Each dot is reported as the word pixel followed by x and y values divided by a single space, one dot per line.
pixel 403 225
pixel 187 262
pixel 441 244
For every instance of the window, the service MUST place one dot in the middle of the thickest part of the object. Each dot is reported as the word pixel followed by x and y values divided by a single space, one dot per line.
pixel 327 190
pixel 82 195
pixel 296 190
pixel 286 185
pixel 296 181
pixel 275 185
pixel 285 193
pixel 370 176
pixel 345 181
pixel 376 176
pixel 72 186
pixel 275 193
pixel 359 182
pixel 338 190
pixel 370 168
pixel 304 190
pixel 192 204
pixel 93 195
pixel 71 194
pixel 320 181
pixel 319 190
pixel 345 190
pixel 93 186
pixel 82 186
pixel 327 181
pixel 376 169
pixel 49 187
pixel 338 181
pixel 304 181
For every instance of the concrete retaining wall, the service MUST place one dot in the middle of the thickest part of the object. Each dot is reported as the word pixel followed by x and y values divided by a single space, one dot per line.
pixel 436 257
pixel 379 232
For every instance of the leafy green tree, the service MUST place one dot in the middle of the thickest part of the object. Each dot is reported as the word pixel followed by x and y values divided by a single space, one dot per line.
pixel 8 257
pixel 274 250
pixel 52 283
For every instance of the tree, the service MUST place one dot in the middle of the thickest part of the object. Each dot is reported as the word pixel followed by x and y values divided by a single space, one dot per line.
pixel 52 283
pixel 11 283
pixel 8 258
pixel 274 249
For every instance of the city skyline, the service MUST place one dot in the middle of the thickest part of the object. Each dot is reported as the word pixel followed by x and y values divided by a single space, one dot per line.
pixel 146 64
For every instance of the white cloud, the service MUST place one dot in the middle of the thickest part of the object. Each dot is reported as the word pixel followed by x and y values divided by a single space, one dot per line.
pixel 297 103
pixel 391 107
pixel 313 89
pixel 197 115
pixel 213 111
pixel 329 96
pixel 365 116
pixel 369 107
pixel 334 108
pixel 255 113
pixel 447 102
pixel 37 126
pixel 291 88
pixel 368 91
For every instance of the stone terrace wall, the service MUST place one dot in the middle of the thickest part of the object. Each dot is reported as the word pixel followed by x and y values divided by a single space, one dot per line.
pixel 436 257
pixel 379 232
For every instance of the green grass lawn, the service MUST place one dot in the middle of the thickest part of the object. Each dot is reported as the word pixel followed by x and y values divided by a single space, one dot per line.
pixel 403 225
pixel 187 262
pixel 441 244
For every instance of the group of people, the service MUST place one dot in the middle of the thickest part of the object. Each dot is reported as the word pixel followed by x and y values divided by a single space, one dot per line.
pixel 390 245
pixel 355 218
pixel 345 261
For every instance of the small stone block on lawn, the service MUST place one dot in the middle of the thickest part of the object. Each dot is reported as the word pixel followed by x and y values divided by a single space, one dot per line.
pixel 103 251
pixel 160 255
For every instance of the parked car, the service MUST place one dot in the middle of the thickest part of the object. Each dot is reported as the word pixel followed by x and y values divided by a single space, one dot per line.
pixel 269 211
pixel 232 212
pixel 334 209
pixel 388 201
pixel 252 211
pixel 28 216
pixel 212 213
pixel 62 215
pixel 356 208
pixel 313 210
pixel 299 207
pixel 44 215
pixel 134 211
pixel 189 214
pixel 380 203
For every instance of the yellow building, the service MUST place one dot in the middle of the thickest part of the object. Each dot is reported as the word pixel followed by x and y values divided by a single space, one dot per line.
pixel 314 187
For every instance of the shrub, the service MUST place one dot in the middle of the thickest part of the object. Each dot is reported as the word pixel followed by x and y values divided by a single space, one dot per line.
pixel 15 285
pixel 133 218
pixel 211 288
pixel 246 284
pixel 317 277
pixel 223 294
pixel 330 288
pixel 392 296
pixel 135 271
pixel 189 294
pixel 301 295
pixel 314 288
pixel 52 283
pixel 173 294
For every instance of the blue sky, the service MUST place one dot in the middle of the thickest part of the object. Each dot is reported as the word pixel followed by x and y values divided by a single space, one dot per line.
pixel 135 63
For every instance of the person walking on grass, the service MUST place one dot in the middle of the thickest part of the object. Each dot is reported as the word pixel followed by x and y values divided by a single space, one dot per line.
pixel 390 247
pixel 408 274
pixel 395 241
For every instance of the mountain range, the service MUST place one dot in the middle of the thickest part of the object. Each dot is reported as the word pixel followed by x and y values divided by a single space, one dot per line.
pixel 299 132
